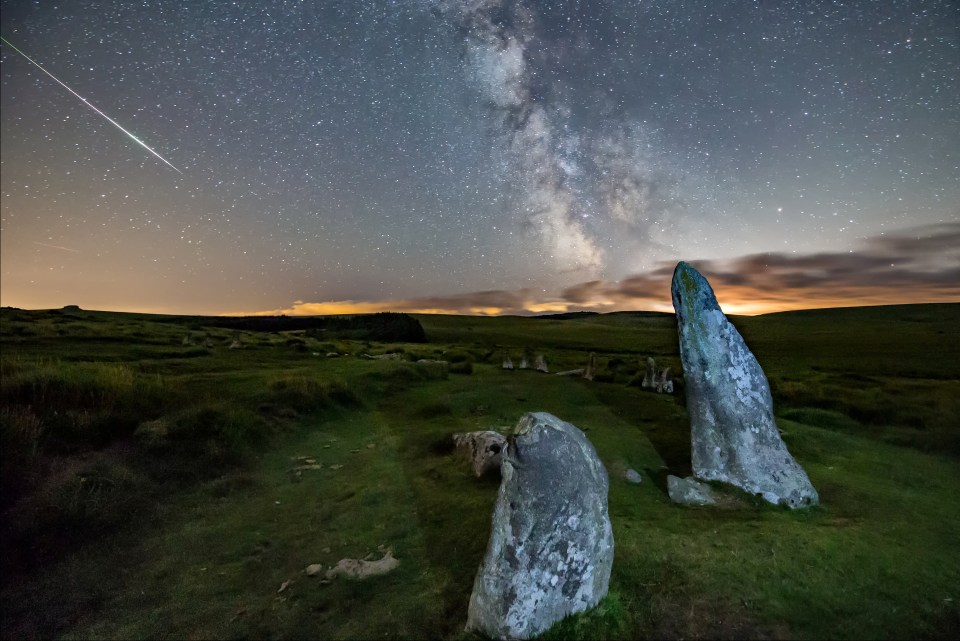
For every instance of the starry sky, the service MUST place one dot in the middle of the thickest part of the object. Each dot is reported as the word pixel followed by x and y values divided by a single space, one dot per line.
pixel 478 156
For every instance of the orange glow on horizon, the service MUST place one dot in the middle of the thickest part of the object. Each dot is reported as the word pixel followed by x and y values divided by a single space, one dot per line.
pixel 736 301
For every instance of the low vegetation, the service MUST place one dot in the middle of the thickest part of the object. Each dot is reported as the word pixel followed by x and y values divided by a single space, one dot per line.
pixel 153 481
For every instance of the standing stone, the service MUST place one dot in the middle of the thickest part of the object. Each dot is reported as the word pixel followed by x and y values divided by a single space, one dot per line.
pixel 482 449
pixel 540 364
pixel 186 341
pixel 650 376
pixel 664 382
pixel 590 371
pixel 733 435
pixel 551 545
pixel 524 362
pixel 507 363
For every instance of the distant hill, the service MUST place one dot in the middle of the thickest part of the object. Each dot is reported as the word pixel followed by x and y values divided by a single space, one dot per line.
pixel 584 314
pixel 917 312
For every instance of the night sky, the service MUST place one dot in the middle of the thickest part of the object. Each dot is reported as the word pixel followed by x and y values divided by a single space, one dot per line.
pixel 483 156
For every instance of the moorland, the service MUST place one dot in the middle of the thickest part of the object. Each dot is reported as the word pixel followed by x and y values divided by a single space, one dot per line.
pixel 150 484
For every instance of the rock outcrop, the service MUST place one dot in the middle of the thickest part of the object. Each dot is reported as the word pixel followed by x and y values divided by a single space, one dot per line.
pixel 551 545
pixel 482 449
pixel 733 435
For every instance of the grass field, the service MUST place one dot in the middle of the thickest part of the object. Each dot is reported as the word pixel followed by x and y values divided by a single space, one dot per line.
pixel 150 489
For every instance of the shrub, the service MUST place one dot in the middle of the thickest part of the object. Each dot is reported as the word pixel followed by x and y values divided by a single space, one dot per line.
pixel 153 434
pixel 98 495
pixel 20 429
pixel 83 404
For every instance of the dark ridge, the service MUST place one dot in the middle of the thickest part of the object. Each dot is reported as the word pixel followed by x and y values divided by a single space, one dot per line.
pixel 383 326
pixel 567 315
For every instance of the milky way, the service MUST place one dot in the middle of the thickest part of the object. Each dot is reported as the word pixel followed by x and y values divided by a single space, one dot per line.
pixel 427 150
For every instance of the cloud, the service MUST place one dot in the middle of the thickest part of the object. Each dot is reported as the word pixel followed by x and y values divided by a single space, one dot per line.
pixel 916 265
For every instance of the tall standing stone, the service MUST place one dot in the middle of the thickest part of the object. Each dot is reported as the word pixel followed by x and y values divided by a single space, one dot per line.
pixel 551 545
pixel 733 435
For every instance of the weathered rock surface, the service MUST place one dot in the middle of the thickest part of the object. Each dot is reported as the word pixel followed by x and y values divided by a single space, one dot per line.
pixel 689 491
pixel 482 449
pixel 632 476
pixel 551 545
pixel 733 435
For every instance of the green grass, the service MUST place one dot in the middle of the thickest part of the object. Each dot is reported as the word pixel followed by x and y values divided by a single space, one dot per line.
pixel 185 516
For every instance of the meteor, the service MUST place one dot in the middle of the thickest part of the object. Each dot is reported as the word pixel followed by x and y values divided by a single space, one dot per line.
pixel 84 100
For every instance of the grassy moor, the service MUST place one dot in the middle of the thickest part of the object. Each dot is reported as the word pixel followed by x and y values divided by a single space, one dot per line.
pixel 174 476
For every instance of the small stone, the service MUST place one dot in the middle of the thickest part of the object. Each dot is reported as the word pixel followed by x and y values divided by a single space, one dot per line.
pixel 361 569
pixel 336 467
pixel 483 449
pixel 633 476
pixel 689 491
pixel 315 568
pixel 590 370
pixel 541 364
pixel 650 375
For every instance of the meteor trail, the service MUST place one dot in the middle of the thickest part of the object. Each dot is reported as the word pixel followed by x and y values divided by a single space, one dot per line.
pixel 112 121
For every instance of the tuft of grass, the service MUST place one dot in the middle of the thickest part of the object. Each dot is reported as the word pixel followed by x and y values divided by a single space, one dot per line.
pixel 306 394
pixel 608 620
